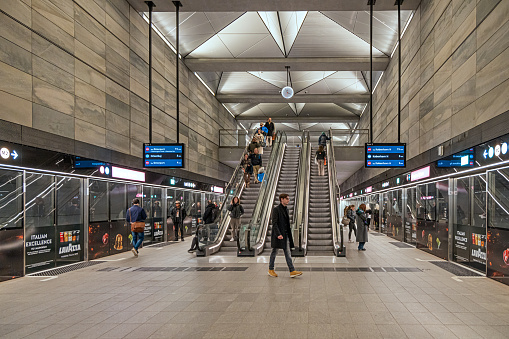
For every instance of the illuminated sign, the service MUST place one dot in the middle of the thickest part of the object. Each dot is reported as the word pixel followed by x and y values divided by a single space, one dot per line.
pixel 385 155
pixel 369 189
pixel 462 159
pixel 385 184
pixel 189 184
pixel 351 195
pixel 217 189
pixel 124 173
pixel 420 174
pixel 397 181
pixel 163 155
pixel 172 181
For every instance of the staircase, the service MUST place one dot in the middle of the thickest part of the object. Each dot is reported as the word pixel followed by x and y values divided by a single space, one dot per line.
pixel 286 184
pixel 319 240
pixel 247 200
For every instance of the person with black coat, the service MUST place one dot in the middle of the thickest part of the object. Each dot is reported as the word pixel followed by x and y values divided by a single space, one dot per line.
pixel 253 145
pixel 282 236
pixel 322 140
pixel 350 214
pixel 208 216
pixel 270 127
pixel 236 211
pixel 256 161
pixel 362 227
pixel 178 214
pixel 320 158
pixel 247 168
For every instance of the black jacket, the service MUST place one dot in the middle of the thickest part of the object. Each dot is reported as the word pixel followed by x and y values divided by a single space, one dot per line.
pixel 182 216
pixel 323 140
pixel 320 155
pixel 270 127
pixel 251 147
pixel 208 216
pixel 256 159
pixel 281 226
pixel 236 210
pixel 351 215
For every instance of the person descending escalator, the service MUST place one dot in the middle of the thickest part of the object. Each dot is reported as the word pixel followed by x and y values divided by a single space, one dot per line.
pixel 253 145
pixel 208 216
pixel 270 131
pixel 247 167
pixel 236 211
pixel 256 161
pixel 320 158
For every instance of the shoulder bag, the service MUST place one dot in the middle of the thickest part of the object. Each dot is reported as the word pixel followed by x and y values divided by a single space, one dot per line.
pixel 345 221
pixel 136 226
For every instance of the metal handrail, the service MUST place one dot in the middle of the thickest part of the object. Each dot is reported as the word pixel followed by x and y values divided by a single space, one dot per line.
pixel 337 226
pixel 267 197
pixel 306 200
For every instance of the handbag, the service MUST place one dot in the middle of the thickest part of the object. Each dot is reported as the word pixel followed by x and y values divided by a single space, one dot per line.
pixel 345 221
pixel 273 137
pixel 136 226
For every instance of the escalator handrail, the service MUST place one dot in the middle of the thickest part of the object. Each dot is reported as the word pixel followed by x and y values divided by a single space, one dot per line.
pixel 306 201
pixel 302 194
pixel 268 195
pixel 337 226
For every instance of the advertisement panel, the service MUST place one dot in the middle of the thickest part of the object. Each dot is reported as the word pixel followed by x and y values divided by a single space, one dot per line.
pixel 411 231
pixel 395 227
pixel 98 240
pixel 498 254
pixel 158 230
pixel 11 254
pixel 119 237
pixel 432 237
pixel 69 244
pixel 39 248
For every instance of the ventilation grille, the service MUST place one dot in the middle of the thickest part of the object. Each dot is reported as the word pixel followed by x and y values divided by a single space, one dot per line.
pixel 456 269
pixel 65 269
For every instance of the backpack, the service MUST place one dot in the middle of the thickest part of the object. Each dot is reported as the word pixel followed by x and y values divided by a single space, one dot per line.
pixel 215 213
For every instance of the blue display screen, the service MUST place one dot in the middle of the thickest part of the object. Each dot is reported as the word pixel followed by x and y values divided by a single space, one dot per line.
pixel 462 159
pixel 385 155
pixel 163 155
pixel 80 162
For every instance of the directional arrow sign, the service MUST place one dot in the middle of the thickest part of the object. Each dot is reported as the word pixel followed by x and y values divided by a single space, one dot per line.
pixel 14 155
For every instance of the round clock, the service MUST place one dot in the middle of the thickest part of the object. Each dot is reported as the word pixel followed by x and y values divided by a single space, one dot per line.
pixel 287 92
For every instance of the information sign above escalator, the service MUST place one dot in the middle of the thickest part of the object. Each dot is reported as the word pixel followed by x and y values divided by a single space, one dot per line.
pixel 385 155
pixel 163 155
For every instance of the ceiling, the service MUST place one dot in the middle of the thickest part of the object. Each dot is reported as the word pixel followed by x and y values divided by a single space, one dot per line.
pixel 241 55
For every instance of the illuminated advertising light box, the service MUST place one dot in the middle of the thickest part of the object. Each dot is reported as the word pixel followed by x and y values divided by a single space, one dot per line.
pixel 163 155
pixel 385 155
pixel 124 173
pixel 419 174
pixel 462 159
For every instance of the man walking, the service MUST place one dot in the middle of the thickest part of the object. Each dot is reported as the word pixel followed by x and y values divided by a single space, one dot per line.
pixel 178 214
pixel 136 216
pixel 282 236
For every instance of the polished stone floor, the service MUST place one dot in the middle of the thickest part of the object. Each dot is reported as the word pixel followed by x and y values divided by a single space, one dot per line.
pixel 169 298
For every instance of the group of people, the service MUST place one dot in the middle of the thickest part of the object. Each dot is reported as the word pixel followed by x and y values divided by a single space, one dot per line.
pixel 359 224
pixel 252 161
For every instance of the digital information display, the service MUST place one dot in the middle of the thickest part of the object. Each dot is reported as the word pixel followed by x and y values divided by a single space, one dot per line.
pixel 163 155
pixel 462 159
pixel 80 162
pixel 385 155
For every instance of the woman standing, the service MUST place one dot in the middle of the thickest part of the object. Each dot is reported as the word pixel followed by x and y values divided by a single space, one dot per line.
pixel 350 214
pixel 320 158
pixel 259 138
pixel 236 211
pixel 362 227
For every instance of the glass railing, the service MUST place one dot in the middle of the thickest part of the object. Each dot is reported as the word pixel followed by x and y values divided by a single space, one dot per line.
pixel 252 235
pixel 210 236
pixel 337 226
pixel 299 225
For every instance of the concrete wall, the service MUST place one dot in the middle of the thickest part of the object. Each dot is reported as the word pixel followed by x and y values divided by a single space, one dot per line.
pixel 78 71
pixel 455 71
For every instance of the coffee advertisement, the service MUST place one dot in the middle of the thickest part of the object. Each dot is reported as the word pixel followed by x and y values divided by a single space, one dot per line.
pixel 39 248
pixel 69 244
pixel 98 240
pixel 119 236
pixel 158 230
pixel 497 254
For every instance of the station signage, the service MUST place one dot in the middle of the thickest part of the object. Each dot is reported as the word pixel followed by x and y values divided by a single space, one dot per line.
pixel 163 155
pixel 10 154
pixel 385 155
pixel 419 174
pixel 461 159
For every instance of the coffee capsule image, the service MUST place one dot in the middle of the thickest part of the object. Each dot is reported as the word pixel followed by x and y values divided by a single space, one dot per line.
pixel 105 238
pixel 430 242
pixel 505 255
pixel 118 242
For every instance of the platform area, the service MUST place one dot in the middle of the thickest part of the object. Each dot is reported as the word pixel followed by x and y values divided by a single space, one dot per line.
pixel 384 292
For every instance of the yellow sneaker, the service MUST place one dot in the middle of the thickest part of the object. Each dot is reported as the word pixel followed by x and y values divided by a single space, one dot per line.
pixel 294 274
pixel 272 273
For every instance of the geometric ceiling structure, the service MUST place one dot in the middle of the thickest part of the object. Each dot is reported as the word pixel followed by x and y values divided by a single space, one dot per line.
pixel 329 51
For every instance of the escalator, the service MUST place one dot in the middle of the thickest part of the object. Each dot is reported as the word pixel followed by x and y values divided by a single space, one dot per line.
pixel 248 201
pixel 319 240
pixel 212 237
pixel 287 183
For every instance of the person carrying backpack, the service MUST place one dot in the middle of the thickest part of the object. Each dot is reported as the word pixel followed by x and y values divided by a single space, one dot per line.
pixel 322 140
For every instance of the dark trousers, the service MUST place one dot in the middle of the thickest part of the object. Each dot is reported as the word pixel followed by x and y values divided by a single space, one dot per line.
pixel 179 225
pixel 194 244
pixel 352 228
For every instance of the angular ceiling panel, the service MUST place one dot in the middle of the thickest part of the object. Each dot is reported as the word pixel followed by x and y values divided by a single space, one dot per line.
pixel 291 23
pixel 214 47
pixel 320 36
pixel 238 109
pixel 243 82
pixel 267 48
pixel 239 43
pixel 248 23
pixel 276 78
pixel 271 20
pixel 302 80
pixel 211 79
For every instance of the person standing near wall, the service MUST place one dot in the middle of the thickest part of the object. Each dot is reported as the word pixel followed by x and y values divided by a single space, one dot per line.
pixel 178 214
pixel 136 216
pixel 362 227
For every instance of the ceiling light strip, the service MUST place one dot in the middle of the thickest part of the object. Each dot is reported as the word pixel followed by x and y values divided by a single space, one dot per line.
pixel 204 84
pixel 228 110
pixel 161 35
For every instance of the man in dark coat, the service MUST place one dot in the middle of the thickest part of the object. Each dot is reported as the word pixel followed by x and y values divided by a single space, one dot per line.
pixel 282 236
pixel 270 127
pixel 208 216
pixel 178 214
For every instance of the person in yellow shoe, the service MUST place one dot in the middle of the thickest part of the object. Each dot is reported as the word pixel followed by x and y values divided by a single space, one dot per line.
pixel 282 236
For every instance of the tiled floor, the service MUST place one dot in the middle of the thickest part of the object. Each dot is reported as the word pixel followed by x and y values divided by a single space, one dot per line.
pixel 89 303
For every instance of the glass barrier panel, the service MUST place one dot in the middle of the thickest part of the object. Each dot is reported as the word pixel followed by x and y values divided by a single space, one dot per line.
pixel 11 199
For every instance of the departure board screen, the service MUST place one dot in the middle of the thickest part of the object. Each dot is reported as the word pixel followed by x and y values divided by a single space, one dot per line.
pixel 385 155
pixel 465 158
pixel 163 155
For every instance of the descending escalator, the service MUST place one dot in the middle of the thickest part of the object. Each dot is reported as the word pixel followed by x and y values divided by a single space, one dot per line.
pixel 319 235
pixel 247 200
pixel 286 184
